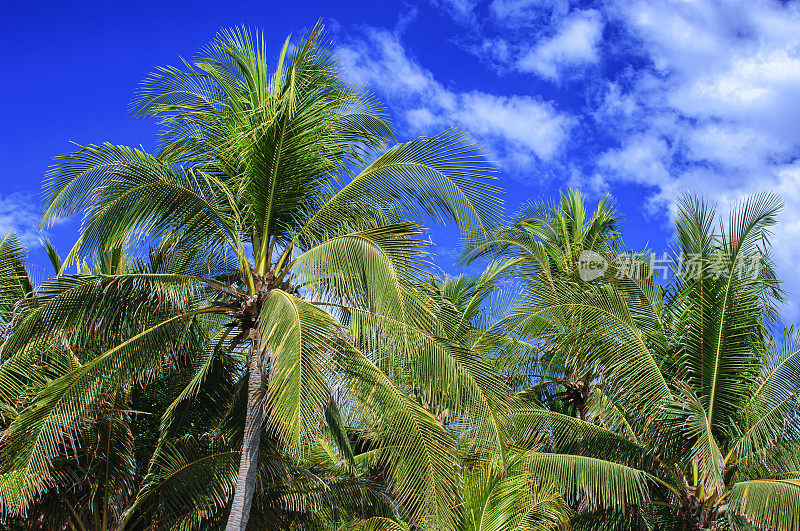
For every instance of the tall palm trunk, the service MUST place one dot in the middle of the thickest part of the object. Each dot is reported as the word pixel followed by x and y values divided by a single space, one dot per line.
pixel 248 465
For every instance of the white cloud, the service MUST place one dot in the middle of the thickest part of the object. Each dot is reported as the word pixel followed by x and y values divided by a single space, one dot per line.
pixel 461 10
pixel 526 124
pixel 516 13
pixel 643 159
pixel 496 50
pixel 379 59
pixel 732 147
pixel 574 43
pixel 715 115
pixel 18 214
pixel 519 130
pixel 616 106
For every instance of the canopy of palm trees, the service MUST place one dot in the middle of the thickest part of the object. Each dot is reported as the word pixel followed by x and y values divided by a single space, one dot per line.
pixel 255 335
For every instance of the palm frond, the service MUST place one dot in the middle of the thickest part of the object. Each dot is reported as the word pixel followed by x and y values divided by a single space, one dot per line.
pixel 770 504
pixel 591 482
pixel 442 176
pixel 296 339
pixel 15 284
pixel 421 455
pixel 722 307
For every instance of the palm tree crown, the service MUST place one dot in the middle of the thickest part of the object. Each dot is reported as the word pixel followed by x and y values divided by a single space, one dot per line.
pixel 279 182
pixel 698 422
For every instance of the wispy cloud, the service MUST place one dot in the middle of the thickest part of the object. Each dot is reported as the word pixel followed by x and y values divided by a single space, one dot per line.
pixel 700 96
pixel 574 43
pixel 526 13
pixel 19 214
pixel 519 130
pixel 461 10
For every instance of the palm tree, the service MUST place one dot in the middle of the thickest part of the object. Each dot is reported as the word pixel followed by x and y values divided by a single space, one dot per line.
pixel 279 180
pixel 699 428
pixel 546 244
pixel 457 378
pixel 477 407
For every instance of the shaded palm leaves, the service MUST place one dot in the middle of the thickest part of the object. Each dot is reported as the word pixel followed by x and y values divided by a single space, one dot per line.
pixel 498 498
pixel 71 395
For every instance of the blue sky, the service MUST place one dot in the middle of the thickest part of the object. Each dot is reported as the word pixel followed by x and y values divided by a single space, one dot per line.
pixel 639 100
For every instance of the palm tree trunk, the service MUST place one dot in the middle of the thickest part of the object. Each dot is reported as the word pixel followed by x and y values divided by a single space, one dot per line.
pixel 248 465
pixel 579 410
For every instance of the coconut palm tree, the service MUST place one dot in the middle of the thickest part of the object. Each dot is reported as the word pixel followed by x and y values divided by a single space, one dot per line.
pixel 546 244
pixel 279 179
pixel 97 483
pixel 699 429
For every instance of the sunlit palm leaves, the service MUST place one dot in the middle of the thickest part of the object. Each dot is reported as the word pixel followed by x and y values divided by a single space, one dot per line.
pixel 278 179
pixel 691 384
pixel 288 291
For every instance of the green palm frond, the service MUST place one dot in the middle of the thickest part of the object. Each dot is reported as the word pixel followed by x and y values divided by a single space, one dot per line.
pixel 420 453
pixel 769 504
pixel 559 433
pixel 447 376
pixel 609 415
pixel 53 256
pixel 442 176
pixel 705 451
pixel 185 477
pixel 630 359
pixel 591 482
pixel 17 489
pixel 774 399
pixel 507 499
pixel 378 523
pixel 15 284
pixel 97 309
pixel 373 268
pixel 115 455
pixel 126 192
pixel 722 309
pixel 562 231
pixel 43 430
pixel 296 346
pixel 208 390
